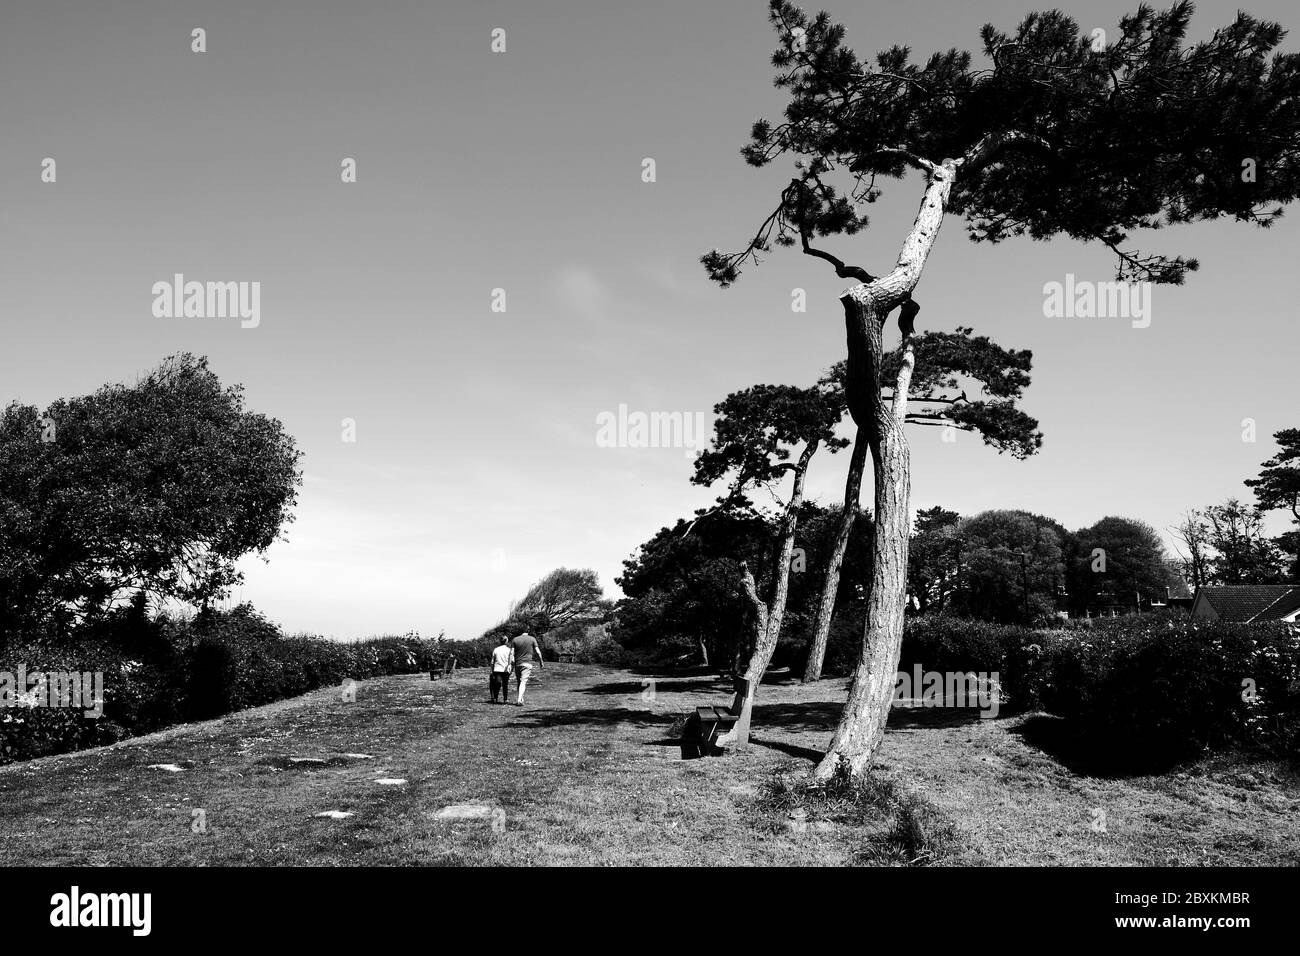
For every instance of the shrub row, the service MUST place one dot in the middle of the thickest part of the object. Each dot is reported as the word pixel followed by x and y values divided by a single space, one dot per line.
pixel 171 671
pixel 1165 686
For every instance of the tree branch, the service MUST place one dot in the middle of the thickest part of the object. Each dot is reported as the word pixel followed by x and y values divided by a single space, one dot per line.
pixel 841 270
pixel 990 146
pixel 863 163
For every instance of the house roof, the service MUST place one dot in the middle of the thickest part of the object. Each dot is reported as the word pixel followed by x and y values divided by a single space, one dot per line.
pixel 1281 607
pixel 1252 602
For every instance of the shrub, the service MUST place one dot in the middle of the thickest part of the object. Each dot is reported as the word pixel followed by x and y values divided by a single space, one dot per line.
pixel 1153 689
pixel 173 669
pixel 589 644
pixel 670 652
pixel 948 644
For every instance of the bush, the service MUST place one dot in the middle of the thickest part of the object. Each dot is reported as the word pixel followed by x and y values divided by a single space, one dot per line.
pixel 589 644
pixel 1153 689
pixel 168 670
pixel 476 652
pixel 670 652
pixel 948 644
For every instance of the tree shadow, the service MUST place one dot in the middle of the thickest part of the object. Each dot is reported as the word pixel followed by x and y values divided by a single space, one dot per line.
pixel 1088 756
pixel 921 718
pixel 666 685
pixel 668 672
pixel 596 716
pixel 791 750
pixel 798 718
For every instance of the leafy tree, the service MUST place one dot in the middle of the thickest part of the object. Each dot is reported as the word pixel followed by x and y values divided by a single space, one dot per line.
pixel 1278 487
pixel 562 597
pixel 934 559
pixel 1241 553
pixel 1288 542
pixel 680 589
pixel 1051 135
pixel 1116 557
pixel 1012 566
pixel 157 487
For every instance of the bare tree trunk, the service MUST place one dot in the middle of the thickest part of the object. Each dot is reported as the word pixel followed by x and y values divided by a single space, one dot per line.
pixel 766 645
pixel 866 307
pixel 768 616
pixel 831 586
pixel 758 628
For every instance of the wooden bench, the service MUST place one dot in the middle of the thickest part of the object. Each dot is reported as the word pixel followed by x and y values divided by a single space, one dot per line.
pixel 708 723
pixel 566 657
pixel 444 668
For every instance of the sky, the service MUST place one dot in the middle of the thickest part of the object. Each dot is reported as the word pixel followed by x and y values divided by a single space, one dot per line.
pixel 476 466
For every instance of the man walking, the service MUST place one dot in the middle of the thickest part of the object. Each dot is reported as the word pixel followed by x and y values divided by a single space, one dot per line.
pixel 499 679
pixel 525 649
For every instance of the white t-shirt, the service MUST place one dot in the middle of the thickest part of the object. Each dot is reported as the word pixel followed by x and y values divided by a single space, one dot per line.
pixel 501 658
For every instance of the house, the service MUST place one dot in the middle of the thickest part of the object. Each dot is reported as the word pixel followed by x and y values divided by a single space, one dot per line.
pixel 1248 603
pixel 1109 604
pixel 1178 594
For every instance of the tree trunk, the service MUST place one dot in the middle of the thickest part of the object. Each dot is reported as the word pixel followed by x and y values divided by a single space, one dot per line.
pixel 866 307
pixel 831 586
pixel 767 630
pixel 746 649
pixel 766 644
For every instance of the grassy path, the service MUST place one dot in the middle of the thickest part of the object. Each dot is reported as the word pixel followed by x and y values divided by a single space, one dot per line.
pixel 588 773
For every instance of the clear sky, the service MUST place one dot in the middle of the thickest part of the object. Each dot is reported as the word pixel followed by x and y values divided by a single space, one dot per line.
pixel 476 468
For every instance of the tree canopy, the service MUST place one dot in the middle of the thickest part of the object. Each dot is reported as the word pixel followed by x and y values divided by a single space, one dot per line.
pixel 1072 134
pixel 950 367
pixel 681 589
pixel 757 430
pixel 562 597
pixel 1012 566
pixel 1278 488
pixel 157 487
pixel 1117 561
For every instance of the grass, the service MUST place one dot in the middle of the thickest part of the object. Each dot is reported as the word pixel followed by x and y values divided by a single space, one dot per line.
pixel 589 772
pixel 898 827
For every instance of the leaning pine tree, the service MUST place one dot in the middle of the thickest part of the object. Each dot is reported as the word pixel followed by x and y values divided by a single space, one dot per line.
pixel 755 435
pixel 948 367
pixel 1057 133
